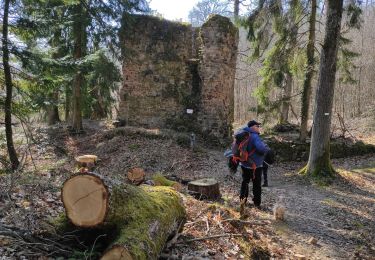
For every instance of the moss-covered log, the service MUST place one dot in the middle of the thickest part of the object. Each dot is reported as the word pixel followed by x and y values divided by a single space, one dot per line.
pixel 151 214
pixel 143 217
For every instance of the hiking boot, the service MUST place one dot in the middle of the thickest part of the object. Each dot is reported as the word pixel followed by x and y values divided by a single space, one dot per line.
pixel 242 206
pixel 265 184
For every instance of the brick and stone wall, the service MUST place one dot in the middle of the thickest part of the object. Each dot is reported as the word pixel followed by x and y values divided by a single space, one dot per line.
pixel 217 69
pixel 170 67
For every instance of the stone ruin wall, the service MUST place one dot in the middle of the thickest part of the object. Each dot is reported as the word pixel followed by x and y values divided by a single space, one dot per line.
pixel 170 67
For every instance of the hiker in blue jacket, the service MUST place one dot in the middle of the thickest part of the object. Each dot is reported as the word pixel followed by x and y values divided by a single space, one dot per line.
pixel 252 169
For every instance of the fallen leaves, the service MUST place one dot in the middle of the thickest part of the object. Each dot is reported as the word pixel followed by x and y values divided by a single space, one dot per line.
pixel 213 229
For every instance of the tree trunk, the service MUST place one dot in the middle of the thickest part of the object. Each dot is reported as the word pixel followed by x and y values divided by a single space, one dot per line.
pixel 359 87
pixel 143 217
pixel 288 81
pixel 287 91
pixel 236 9
pixel 53 110
pixel 319 163
pixel 307 88
pixel 98 109
pixel 68 105
pixel 77 113
pixel 8 84
pixel 78 52
pixel 359 93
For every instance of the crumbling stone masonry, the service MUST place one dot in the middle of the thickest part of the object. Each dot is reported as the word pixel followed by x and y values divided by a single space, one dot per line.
pixel 171 69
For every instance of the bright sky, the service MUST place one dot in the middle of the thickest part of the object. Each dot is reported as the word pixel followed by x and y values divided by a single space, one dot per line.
pixel 173 9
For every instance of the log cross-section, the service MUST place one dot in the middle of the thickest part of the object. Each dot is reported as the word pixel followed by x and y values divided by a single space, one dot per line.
pixel 85 198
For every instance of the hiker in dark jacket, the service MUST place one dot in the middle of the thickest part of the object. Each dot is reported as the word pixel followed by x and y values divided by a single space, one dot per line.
pixel 252 169
pixel 269 159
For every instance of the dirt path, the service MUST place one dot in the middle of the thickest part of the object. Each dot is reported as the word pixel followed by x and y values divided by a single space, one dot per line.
pixel 341 217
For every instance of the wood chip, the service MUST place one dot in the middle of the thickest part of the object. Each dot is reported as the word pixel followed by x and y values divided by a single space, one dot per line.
pixel 313 241
pixel 300 257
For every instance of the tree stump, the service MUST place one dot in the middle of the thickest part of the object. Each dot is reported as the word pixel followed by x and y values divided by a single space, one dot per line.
pixel 143 216
pixel 136 176
pixel 206 188
pixel 88 160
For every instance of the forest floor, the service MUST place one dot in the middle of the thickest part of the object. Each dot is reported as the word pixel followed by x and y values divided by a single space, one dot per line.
pixel 321 222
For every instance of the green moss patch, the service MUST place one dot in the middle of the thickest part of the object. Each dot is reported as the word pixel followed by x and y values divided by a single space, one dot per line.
pixel 291 150
pixel 140 218
pixel 222 22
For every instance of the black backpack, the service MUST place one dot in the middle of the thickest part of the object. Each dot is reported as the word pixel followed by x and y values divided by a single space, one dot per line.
pixel 270 157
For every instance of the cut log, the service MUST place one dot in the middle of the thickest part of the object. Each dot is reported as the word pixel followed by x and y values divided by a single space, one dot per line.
pixel 136 176
pixel 152 214
pixel 143 216
pixel 205 188
pixel 86 199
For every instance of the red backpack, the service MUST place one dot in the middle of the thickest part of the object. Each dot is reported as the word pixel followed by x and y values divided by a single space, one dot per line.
pixel 239 150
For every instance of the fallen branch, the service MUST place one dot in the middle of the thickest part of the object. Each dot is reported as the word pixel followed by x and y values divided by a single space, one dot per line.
pixel 344 129
pixel 173 241
pixel 259 223
pixel 3 123
pixel 210 237
pixel 36 242
pixel 194 222
pixel 208 226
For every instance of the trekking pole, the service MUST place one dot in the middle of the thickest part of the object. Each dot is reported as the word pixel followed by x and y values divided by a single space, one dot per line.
pixel 267 163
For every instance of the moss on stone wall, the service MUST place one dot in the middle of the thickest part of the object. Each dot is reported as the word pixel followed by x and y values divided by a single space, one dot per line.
pixel 168 68
pixel 224 23
pixel 297 151
pixel 156 30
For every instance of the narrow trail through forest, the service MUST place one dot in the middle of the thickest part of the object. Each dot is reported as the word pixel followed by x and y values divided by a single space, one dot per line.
pixel 341 217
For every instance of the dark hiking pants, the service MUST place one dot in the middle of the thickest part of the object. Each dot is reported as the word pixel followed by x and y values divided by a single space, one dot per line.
pixel 265 170
pixel 247 175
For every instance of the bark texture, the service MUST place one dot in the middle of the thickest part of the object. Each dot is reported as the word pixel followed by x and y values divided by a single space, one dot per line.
pixel 9 88
pixel 319 160
pixel 236 8
pixel 146 216
pixel 205 188
pixel 79 33
pixel 52 110
pixel 307 89
pixel 139 220
pixel 287 91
